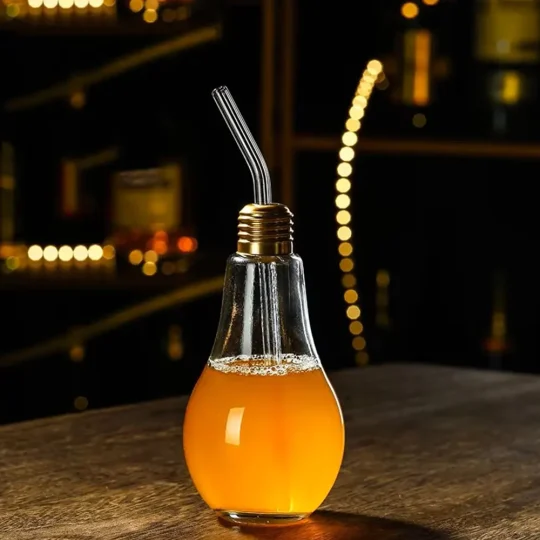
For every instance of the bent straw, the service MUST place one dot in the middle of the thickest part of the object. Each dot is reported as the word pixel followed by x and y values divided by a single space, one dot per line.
pixel 262 186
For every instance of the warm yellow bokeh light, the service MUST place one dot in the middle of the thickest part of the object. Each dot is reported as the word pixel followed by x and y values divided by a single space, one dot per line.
pixel 348 281
pixel 78 99
pixel 151 256
pixel 343 217
pixel 350 296
pixel 374 66
pixel 343 185
pixel 150 16
pixel 65 253
pixel 360 101
pixel 135 257
pixel 77 353
pixel 359 343
pixel 368 78
pixel 95 252
pixel 13 10
pixel 80 253
pixel 12 263
pixel 109 252
pixel 344 169
pixel 356 113
pixel 430 2
pixel 346 153
pixel 35 3
pixel 81 3
pixel 344 233
pixel 149 268
pixel 371 75
pixel 383 278
pixel 346 265
pixel 356 328
pixel 50 253
pixel 365 87
pixel 349 138
pixel 35 253
pixel 363 91
pixel 345 249
pixel 343 201
pixel 409 10
pixel 352 125
pixel 136 5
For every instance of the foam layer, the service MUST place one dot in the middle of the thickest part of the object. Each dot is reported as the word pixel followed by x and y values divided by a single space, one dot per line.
pixel 267 366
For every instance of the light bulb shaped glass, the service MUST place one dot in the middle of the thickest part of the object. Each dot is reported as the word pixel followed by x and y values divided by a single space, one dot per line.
pixel 263 430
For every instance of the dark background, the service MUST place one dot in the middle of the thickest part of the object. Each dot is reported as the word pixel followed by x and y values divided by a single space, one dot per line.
pixel 457 233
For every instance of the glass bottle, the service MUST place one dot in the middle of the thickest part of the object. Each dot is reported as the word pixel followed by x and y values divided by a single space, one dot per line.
pixel 506 67
pixel 263 431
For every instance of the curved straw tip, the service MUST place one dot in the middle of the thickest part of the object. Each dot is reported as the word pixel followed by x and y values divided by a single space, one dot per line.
pixel 219 90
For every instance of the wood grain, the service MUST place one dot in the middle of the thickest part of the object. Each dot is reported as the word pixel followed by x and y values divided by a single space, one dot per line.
pixel 432 454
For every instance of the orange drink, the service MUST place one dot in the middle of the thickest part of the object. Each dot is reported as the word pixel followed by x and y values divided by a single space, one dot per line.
pixel 263 441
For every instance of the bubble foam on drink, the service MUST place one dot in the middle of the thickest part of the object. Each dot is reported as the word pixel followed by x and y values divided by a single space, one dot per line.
pixel 265 365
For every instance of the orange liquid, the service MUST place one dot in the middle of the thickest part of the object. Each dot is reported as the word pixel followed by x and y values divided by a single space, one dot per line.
pixel 263 443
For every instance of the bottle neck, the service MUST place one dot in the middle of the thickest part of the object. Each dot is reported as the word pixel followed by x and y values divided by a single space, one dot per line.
pixel 265 229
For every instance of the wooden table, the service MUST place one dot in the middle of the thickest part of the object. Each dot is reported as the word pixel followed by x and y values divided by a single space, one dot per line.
pixel 432 454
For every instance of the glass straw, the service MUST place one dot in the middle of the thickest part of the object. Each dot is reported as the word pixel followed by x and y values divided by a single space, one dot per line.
pixel 262 188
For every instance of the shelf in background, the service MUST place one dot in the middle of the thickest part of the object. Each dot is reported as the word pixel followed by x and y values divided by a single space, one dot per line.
pixel 107 27
pixel 107 277
pixel 464 148
pixel 178 42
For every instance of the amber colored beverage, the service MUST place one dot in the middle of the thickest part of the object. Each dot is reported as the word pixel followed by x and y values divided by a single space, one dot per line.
pixel 263 438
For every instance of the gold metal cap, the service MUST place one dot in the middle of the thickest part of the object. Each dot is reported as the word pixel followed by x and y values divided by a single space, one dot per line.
pixel 265 229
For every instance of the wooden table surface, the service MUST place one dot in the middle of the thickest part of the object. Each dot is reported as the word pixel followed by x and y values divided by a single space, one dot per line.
pixel 432 453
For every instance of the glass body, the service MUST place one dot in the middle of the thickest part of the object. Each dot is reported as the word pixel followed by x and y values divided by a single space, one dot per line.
pixel 263 431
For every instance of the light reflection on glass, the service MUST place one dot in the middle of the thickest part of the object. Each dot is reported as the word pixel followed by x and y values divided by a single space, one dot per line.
pixel 234 423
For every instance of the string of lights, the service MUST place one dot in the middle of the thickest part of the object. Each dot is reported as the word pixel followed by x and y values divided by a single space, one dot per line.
pixel 370 76
pixel 21 257
pixel 34 9
pixel 152 10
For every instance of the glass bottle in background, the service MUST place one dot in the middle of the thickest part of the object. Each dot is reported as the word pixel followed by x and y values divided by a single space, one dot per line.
pixel 415 70
pixel 507 66
pixel 497 345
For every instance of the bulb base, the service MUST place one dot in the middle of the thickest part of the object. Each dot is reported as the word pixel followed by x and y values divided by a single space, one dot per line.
pixel 265 229
pixel 253 519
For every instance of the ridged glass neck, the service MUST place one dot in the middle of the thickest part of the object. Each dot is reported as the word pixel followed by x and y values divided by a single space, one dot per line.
pixel 262 292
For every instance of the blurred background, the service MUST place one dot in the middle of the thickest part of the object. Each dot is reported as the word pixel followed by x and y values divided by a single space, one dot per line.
pixel 120 184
